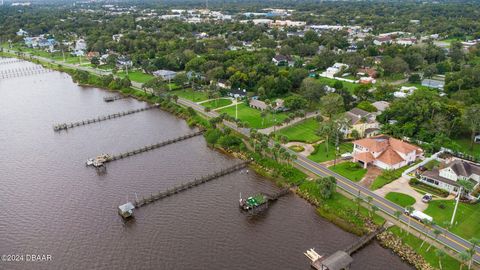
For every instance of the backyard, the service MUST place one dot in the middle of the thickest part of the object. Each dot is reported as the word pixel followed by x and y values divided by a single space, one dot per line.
pixel 136 76
pixel 347 85
pixel 253 117
pixel 350 170
pixel 320 154
pixel 217 103
pixel 464 146
pixel 189 94
pixel 304 131
pixel 401 199
pixel 466 220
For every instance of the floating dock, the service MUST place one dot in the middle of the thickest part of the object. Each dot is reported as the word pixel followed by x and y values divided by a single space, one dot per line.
pixel 101 160
pixel 113 98
pixel 259 202
pixel 66 126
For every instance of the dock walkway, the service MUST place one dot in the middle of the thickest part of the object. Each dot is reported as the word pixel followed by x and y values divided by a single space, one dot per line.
pixel 188 185
pixel 66 126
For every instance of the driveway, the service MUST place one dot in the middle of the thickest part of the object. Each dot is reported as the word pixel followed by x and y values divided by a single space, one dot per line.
pixel 401 186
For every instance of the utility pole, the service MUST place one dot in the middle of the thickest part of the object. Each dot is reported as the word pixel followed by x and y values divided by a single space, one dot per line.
pixel 456 205
pixel 336 150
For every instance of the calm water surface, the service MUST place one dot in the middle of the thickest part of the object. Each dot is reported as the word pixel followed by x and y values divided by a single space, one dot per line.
pixel 53 204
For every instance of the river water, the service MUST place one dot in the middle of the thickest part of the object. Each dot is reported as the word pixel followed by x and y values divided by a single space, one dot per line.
pixel 52 204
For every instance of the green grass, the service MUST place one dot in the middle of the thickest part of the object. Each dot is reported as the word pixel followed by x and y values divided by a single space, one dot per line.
pixel 401 199
pixel 304 131
pixel 387 177
pixel 189 94
pixel 464 146
pixel 414 242
pixel 136 76
pixel 320 154
pixel 350 170
pixel 213 104
pixel 347 85
pixel 467 219
pixel 252 117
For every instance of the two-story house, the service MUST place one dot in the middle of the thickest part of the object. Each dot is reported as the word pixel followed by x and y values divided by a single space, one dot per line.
pixel 363 122
pixel 385 152
pixel 447 178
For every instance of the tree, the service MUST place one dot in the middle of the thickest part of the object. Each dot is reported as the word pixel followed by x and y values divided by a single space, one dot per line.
pixel 440 255
pixel 475 242
pixel 426 223
pixel 326 131
pixel 471 119
pixel 332 104
pixel 95 61
pixel 414 78
pixel 327 186
pixel 295 103
pixel 436 233
pixel 464 257
pixel 374 210
pixel 397 214
pixel 358 201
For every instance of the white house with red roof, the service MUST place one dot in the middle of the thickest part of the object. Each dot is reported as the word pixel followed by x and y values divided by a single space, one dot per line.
pixel 385 152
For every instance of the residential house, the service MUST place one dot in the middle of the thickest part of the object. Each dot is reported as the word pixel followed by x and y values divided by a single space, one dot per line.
pixel 123 61
pixel 91 55
pixel 371 72
pixel 433 83
pixel 406 41
pixel 282 60
pixel 335 69
pixel 22 32
pixel 476 139
pixel 447 178
pixel 261 105
pixel 366 80
pixel 382 40
pixel 164 74
pixel 385 152
pixel 363 122
pixel 381 106
pixel 404 91
pixel 221 84
pixel 237 93
pixel 80 45
pixel 117 37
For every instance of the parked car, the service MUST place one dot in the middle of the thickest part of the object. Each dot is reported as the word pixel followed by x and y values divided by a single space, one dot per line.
pixel 426 198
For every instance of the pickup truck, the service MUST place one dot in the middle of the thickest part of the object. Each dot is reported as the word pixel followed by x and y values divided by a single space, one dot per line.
pixel 419 215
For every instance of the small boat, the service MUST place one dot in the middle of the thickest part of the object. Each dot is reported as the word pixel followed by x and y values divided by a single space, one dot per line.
pixel 90 161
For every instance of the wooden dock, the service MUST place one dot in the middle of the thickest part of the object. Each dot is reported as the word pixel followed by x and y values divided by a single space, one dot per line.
pixel 276 196
pixel 113 98
pixel 66 126
pixel 342 258
pixel 6 61
pixel 24 71
pixel 188 185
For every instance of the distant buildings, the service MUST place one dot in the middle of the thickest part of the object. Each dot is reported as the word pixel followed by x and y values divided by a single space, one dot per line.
pixel 164 74
pixel 237 93
pixel 385 152
pixel 404 91
pixel 363 122
pixel 278 105
pixel 282 60
pixel 22 32
pixel 433 83
pixel 334 70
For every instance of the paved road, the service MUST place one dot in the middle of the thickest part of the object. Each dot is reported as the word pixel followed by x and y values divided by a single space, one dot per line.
pixel 446 238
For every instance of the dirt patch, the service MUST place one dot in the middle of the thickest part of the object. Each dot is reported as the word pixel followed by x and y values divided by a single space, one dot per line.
pixel 372 173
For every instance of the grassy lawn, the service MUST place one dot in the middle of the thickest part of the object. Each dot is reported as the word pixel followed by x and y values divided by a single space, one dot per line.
pixel 136 76
pixel 347 85
pixel 464 146
pixel 414 242
pixel 189 94
pixel 350 170
pixel 253 116
pixel 213 104
pixel 320 154
pixel 401 199
pixel 387 177
pixel 304 131
pixel 466 219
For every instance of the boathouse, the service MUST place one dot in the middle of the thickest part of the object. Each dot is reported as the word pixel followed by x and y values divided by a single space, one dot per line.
pixel 126 210
pixel 337 261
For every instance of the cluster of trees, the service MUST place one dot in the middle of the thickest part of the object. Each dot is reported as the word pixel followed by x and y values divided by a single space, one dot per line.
pixel 84 77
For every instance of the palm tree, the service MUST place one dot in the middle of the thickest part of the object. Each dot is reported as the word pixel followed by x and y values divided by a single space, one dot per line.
pixel 475 242
pixel 437 233
pixel 441 255
pixel 358 200
pixel 374 210
pixel 409 209
pixel 397 215
pixel 464 257
pixel 426 223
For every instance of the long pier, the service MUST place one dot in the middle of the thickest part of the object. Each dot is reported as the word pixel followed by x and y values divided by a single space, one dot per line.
pixel 277 195
pixel 188 185
pixel 65 126
pixel 24 71
pixel 342 258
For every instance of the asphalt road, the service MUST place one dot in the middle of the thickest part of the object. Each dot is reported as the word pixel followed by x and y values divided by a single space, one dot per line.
pixel 446 238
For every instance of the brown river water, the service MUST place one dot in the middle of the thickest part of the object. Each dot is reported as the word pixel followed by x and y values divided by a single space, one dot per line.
pixel 52 204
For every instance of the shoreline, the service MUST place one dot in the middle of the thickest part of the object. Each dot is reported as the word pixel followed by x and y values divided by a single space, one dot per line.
pixel 201 121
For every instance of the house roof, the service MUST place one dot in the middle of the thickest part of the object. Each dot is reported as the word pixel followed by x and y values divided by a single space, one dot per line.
pixel 258 103
pixel 463 168
pixel 364 156
pixel 435 175
pixel 337 261
pixel 355 115
pixel 382 143
pixel 381 105
pixel 390 157
pixel 280 58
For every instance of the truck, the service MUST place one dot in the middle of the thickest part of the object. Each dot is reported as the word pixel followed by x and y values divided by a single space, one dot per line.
pixel 418 215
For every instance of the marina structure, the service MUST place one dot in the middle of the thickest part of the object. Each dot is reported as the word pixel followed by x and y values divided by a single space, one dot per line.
pixel 259 202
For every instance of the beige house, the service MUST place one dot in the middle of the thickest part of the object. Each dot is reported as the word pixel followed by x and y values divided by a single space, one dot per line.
pixel 363 122
pixel 446 178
